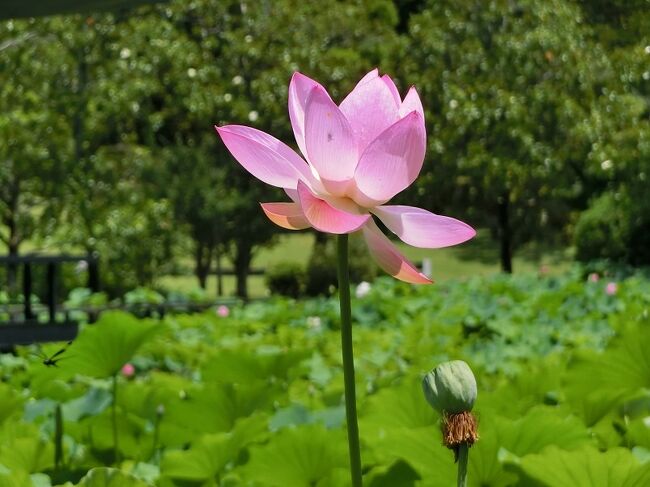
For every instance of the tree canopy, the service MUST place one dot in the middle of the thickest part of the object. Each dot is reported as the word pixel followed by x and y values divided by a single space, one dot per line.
pixel 534 109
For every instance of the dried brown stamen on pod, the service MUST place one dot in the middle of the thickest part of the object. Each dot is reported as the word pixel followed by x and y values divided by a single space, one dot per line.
pixel 457 429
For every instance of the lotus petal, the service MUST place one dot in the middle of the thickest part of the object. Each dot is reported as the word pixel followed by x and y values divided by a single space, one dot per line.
pixel 264 156
pixel 393 89
pixel 324 217
pixel 411 103
pixel 299 89
pixel 389 258
pixel 329 138
pixel 370 108
pixel 424 229
pixel 286 215
pixel 391 162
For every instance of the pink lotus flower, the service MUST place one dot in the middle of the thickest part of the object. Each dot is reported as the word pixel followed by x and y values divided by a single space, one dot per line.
pixel 223 311
pixel 594 277
pixel 611 288
pixel 357 156
pixel 128 370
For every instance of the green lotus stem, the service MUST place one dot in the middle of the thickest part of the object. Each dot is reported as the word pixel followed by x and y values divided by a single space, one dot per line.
pixel 348 361
pixel 463 455
pixel 114 420
pixel 58 437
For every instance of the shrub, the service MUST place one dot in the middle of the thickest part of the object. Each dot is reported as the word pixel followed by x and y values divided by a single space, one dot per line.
pixel 603 230
pixel 286 279
pixel 615 228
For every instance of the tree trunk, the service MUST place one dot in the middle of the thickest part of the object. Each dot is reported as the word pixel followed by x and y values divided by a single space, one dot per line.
pixel 219 275
pixel 13 245
pixel 202 263
pixel 243 257
pixel 505 233
pixel 11 198
pixel 12 269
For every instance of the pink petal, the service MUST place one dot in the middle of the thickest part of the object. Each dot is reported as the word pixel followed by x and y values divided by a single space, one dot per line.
pixel 411 103
pixel 422 228
pixel 286 215
pixel 393 89
pixel 391 162
pixel 330 142
pixel 264 156
pixel 369 76
pixel 389 258
pixel 292 193
pixel 325 217
pixel 370 108
pixel 299 89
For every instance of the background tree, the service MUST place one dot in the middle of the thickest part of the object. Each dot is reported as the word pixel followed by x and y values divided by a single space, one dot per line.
pixel 34 135
pixel 510 89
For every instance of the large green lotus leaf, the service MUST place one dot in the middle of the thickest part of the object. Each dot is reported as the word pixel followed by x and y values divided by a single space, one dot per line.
pixel 102 349
pixel 15 479
pixel 10 404
pixel 133 441
pixel 422 448
pixel 301 457
pixel 540 427
pixel 212 409
pixel 401 406
pixel 555 467
pixel 514 396
pixel 110 477
pixel 211 453
pixel 499 437
pixel 27 454
pixel 92 403
pixel 243 367
pixel 398 474
pixel 597 382
pixel 503 438
pixel 206 459
pixel 638 432
pixel 297 414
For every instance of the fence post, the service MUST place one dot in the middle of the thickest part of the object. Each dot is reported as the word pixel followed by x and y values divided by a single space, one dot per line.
pixel 51 291
pixel 93 272
pixel 27 290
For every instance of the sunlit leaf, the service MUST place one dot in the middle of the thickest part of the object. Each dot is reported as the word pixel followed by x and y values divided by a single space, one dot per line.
pixel 103 348
pixel 298 457
pixel 555 467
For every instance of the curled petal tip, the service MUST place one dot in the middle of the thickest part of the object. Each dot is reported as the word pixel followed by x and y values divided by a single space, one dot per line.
pixel 286 215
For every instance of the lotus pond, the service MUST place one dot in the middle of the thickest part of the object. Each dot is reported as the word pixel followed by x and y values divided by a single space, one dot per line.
pixel 254 397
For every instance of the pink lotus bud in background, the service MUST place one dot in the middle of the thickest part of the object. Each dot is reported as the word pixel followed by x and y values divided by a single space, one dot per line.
pixel 594 277
pixel 128 370
pixel 611 288
pixel 223 311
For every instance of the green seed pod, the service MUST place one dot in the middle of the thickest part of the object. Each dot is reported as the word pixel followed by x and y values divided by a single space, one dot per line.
pixel 450 388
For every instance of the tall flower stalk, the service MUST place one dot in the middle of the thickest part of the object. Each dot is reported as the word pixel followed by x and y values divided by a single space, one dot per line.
pixel 348 360
pixel 357 156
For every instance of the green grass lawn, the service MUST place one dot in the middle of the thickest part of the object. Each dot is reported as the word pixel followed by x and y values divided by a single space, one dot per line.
pixel 480 256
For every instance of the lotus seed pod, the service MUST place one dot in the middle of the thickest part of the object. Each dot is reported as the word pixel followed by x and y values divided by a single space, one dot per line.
pixel 450 388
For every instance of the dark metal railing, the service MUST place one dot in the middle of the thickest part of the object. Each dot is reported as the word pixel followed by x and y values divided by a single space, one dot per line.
pixel 26 327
